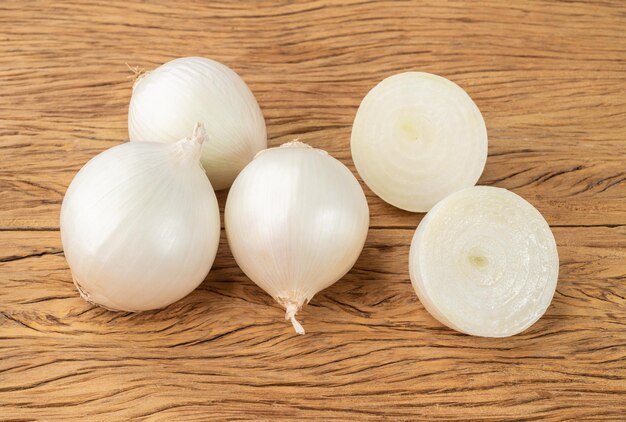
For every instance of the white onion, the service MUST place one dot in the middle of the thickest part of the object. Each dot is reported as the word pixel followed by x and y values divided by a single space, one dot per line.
pixel 169 100
pixel 296 221
pixel 417 138
pixel 483 261
pixel 140 224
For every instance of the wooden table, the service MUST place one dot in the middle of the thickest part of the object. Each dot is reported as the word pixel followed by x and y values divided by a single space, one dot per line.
pixel 550 79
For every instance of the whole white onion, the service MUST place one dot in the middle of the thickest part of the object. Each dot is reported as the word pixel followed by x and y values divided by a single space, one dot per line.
pixel 169 100
pixel 140 224
pixel 417 138
pixel 296 221
pixel 483 261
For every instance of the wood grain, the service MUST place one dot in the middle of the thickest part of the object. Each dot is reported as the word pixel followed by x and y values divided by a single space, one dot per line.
pixel 549 78
pixel 226 349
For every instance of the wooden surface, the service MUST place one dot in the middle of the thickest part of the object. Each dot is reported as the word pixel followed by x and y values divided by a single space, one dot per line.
pixel 550 79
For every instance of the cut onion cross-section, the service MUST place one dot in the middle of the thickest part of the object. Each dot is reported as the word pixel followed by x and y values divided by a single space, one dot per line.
pixel 484 262
pixel 417 138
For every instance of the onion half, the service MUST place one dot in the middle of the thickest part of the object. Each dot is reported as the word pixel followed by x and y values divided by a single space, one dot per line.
pixel 484 262
pixel 417 138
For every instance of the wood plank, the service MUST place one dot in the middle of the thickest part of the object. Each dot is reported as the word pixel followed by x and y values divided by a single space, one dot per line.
pixel 550 89
pixel 371 350
pixel 549 78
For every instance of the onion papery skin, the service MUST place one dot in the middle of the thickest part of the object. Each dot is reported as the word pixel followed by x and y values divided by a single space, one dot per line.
pixel 484 262
pixel 170 99
pixel 296 221
pixel 416 138
pixel 140 226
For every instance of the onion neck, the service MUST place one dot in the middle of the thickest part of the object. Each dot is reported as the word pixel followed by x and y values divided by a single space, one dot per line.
pixel 187 151
pixel 295 144
pixel 138 74
pixel 292 145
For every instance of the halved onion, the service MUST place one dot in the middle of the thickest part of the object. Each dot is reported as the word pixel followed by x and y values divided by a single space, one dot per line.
pixel 417 138
pixel 484 262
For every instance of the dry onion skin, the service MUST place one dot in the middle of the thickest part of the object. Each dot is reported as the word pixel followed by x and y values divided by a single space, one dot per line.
pixel 484 262
pixel 416 138
pixel 140 224
pixel 296 220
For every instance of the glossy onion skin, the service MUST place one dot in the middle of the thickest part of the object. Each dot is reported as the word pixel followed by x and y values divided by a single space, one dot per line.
pixel 169 100
pixel 484 262
pixel 140 226
pixel 296 221
pixel 416 138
